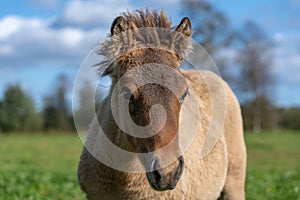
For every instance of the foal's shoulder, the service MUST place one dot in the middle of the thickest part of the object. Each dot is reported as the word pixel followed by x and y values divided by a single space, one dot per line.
pixel 205 79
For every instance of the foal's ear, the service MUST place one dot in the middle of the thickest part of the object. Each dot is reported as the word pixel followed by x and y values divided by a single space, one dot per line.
pixel 118 26
pixel 185 27
pixel 181 38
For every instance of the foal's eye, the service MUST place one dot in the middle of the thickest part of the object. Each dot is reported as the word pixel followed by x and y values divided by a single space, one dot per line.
pixel 183 96
pixel 126 93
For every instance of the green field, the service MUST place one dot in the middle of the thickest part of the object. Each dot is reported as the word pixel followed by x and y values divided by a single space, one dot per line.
pixel 273 166
pixel 44 166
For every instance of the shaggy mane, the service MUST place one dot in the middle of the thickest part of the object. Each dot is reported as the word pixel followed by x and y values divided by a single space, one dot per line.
pixel 143 29
pixel 140 19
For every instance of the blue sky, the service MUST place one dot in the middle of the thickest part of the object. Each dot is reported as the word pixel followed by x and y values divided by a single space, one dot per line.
pixel 41 39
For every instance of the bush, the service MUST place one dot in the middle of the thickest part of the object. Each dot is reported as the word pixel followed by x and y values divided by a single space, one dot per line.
pixel 290 118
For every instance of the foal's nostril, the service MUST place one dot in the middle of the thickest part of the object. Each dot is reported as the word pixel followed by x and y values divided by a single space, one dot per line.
pixel 156 175
pixel 155 172
pixel 160 179
pixel 181 162
pixel 180 168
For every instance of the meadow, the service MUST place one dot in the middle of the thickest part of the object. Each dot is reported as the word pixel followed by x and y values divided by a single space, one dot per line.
pixel 43 166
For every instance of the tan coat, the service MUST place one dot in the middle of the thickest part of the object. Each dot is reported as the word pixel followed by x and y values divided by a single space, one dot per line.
pixel 223 169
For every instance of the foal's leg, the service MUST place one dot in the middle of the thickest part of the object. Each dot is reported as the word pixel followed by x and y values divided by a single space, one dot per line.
pixel 234 188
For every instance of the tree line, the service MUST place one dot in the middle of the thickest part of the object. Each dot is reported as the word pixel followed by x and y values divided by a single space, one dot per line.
pixel 18 112
pixel 248 70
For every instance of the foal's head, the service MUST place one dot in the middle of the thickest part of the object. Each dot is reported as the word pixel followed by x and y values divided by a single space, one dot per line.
pixel 146 56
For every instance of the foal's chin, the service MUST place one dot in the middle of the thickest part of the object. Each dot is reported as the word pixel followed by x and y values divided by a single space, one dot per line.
pixel 159 187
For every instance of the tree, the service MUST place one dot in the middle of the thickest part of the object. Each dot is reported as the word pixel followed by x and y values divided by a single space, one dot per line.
pixel 56 113
pixel 255 61
pixel 211 29
pixel 17 112
pixel 290 118
pixel 269 114
pixel 86 110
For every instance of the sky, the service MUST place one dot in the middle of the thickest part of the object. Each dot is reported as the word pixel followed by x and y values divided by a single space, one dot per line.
pixel 41 39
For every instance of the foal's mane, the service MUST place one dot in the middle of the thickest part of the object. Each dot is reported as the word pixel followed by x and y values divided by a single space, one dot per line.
pixel 142 29
pixel 140 19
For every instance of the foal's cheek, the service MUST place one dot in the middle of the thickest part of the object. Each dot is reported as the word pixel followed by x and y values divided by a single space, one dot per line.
pixel 130 141
pixel 135 145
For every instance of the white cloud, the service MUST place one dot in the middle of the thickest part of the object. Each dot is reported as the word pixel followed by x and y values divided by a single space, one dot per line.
pixel 34 42
pixel 278 37
pixel 67 38
pixel 8 26
pixel 6 49
pixel 91 14
pixel 295 2
pixel 287 59
pixel 287 69
pixel 167 5
pixel 11 24
pixel 45 4
pixel 71 37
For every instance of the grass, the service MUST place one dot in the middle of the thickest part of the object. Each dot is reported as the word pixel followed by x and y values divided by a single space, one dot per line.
pixel 43 166
pixel 39 166
pixel 273 165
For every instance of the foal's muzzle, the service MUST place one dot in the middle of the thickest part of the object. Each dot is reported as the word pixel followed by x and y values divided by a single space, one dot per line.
pixel 161 179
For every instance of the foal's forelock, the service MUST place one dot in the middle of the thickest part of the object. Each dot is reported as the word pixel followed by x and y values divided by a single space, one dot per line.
pixel 139 30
